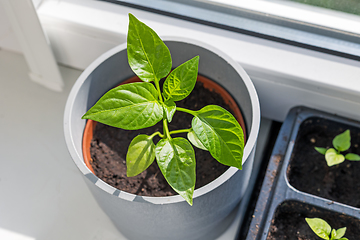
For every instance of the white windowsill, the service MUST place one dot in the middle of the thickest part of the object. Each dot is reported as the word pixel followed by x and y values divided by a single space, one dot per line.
pixel 284 76
pixel 43 195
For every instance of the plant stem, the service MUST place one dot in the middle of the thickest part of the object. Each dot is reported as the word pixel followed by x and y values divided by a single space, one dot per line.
pixel 194 113
pixel 180 131
pixel 157 85
pixel 166 129
pixel 165 123
pixel 156 133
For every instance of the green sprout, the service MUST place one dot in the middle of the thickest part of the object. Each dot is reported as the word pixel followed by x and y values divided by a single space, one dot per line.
pixel 143 104
pixel 341 143
pixel 322 229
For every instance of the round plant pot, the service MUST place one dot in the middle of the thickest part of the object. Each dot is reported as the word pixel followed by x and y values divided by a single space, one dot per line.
pixel 141 217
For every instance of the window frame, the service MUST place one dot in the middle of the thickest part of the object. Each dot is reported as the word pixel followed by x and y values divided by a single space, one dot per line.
pixel 322 30
pixel 284 75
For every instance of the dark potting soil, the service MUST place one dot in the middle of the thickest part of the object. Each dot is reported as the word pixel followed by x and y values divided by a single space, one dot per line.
pixel 289 222
pixel 308 171
pixel 109 146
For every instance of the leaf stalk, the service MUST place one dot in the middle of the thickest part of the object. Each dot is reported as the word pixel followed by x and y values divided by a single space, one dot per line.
pixel 180 131
pixel 156 133
pixel 194 113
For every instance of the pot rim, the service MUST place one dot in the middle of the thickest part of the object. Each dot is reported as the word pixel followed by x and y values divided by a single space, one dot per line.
pixel 78 157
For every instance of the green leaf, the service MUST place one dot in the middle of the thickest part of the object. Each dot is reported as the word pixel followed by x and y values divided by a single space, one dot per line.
pixel 181 81
pixel 344 238
pixel 333 234
pixel 352 157
pixel 332 157
pixel 342 141
pixel 170 109
pixel 148 55
pixel 129 106
pixel 221 134
pixel 194 140
pixel 339 233
pixel 321 150
pixel 176 160
pixel 319 227
pixel 140 155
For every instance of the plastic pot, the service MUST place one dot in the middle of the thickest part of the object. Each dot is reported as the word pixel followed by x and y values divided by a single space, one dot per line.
pixel 166 217
pixel 277 190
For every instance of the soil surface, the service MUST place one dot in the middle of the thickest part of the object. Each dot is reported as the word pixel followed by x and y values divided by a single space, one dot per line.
pixel 308 171
pixel 289 222
pixel 109 146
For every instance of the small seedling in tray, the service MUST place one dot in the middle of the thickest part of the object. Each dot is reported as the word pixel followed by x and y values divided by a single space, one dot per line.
pixel 341 143
pixel 322 229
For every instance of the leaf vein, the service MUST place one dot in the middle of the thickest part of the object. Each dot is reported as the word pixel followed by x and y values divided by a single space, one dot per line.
pixel 144 51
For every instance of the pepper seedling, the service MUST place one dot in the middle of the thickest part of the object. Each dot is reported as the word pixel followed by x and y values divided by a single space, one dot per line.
pixel 341 143
pixel 322 229
pixel 143 104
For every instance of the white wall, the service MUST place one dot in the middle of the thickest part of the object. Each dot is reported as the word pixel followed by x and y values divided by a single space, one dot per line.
pixel 7 38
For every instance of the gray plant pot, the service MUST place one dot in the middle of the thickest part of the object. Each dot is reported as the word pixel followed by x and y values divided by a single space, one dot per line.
pixel 165 217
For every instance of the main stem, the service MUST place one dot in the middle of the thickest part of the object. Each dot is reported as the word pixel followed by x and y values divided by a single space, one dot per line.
pixel 166 128
pixel 157 85
pixel 165 123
